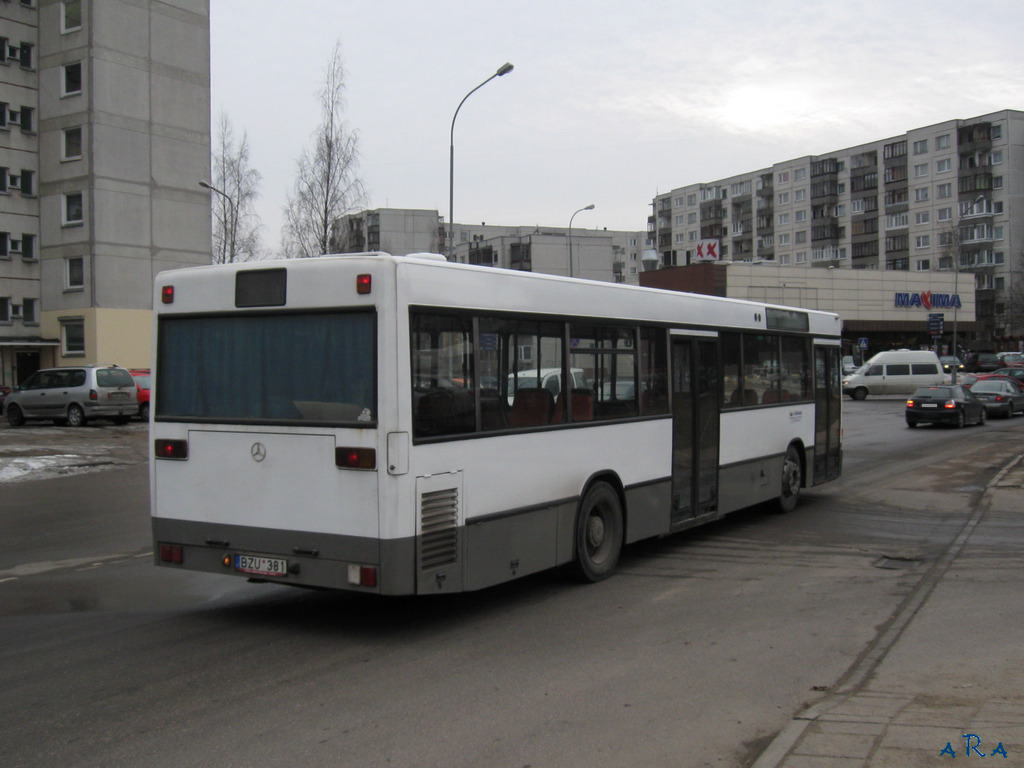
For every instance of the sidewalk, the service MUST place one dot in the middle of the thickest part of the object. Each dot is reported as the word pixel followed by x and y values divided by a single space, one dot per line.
pixel 945 678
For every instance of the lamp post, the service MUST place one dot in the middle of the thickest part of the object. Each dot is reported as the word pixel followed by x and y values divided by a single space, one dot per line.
pixel 956 280
pixel 232 224
pixel 503 70
pixel 585 208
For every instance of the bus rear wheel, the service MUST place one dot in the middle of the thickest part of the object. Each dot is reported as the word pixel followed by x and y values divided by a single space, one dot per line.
pixel 599 534
pixel 792 478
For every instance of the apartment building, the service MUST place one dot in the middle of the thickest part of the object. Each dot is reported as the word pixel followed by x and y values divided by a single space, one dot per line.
pixel 104 135
pixel 596 254
pixel 945 197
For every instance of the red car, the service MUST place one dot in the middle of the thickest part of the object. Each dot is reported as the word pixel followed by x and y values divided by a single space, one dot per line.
pixel 971 378
pixel 141 376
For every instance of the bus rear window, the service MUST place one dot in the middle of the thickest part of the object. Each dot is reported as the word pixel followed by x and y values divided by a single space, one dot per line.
pixel 267 368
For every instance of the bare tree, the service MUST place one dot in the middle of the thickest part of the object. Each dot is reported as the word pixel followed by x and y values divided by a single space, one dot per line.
pixel 236 232
pixel 328 185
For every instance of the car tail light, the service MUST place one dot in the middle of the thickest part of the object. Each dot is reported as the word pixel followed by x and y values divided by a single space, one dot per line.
pixel 950 404
pixel 172 553
pixel 362 575
pixel 910 403
pixel 355 458
pixel 93 395
pixel 170 449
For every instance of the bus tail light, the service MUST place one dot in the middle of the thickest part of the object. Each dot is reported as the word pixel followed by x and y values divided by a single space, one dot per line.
pixel 167 294
pixel 172 553
pixel 171 449
pixel 364 284
pixel 355 458
pixel 362 576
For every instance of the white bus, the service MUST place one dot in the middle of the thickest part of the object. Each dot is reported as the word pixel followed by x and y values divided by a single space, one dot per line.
pixel 390 425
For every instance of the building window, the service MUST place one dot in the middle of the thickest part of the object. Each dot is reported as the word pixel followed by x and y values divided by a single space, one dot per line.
pixel 801 237
pixel 26 183
pixel 801 257
pixel 799 174
pixel 857 206
pixel 920 147
pixel 944 190
pixel 74 274
pixel 28 247
pixel 5 310
pixel 997 182
pixel 921 194
pixel 783 219
pixel 73 213
pixel 784 239
pixel 800 195
pixel 800 216
pixel 920 170
pixel 783 198
pixel 922 241
pixel 995 158
pixel 72 84
pixel 28 312
pixel 923 265
pixel 943 166
pixel 72 149
pixel 72 336
pixel 943 142
pixel 71 15
pixel 945 214
pixel 784 177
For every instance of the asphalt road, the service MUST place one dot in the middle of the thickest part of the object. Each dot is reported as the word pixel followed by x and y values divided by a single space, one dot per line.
pixel 695 654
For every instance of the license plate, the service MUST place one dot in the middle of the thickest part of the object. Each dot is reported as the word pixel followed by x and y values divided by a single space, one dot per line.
pixel 929 405
pixel 117 395
pixel 261 566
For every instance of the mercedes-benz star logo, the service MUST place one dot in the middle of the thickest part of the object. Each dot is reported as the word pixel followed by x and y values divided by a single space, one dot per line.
pixel 258 452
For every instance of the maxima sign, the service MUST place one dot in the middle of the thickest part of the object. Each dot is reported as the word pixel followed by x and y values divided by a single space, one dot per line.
pixel 928 300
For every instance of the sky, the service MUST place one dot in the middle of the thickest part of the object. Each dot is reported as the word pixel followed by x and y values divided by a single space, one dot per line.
pixel 610 103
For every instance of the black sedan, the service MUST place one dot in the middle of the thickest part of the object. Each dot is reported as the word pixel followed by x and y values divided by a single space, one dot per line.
pixel 1000 396
pixel 954 405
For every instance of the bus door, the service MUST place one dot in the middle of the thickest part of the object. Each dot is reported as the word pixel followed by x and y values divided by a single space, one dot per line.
pixel 695 404
pixel 828 405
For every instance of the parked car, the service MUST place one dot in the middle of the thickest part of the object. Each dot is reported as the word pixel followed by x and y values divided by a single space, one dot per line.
pixel 4 392
pixel 849 366
pixel 950 363
pixel 1002 397
pixel 982 362
pixel 970 379
pixel 1017 374
pixel 1011 358
pixel 950 404
pixel 141 376
pixel 74 395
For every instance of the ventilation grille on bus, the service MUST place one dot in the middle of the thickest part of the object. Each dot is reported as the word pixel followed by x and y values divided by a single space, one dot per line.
pixel 439 518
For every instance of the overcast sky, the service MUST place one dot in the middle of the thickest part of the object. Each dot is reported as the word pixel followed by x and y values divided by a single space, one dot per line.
pixel 609 103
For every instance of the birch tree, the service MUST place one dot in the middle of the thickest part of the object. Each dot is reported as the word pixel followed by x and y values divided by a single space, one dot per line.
pixel 234 191
pixel 327 184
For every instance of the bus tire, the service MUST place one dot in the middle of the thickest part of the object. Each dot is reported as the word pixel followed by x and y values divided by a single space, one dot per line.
pixel 792 476
pixel 599 534
pixel 860 393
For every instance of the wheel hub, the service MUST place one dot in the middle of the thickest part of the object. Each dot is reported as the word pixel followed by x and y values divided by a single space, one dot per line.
pixel 595 531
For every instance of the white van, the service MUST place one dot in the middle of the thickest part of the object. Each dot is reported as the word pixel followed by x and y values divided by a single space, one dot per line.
pixel 897 372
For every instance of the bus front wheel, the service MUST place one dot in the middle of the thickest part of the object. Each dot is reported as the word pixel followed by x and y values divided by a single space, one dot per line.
pixel 599 534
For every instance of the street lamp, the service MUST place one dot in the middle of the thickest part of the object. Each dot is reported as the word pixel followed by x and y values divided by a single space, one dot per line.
pixel 585 208
pixel 503 70
pixel 956 280
pixel 232 224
